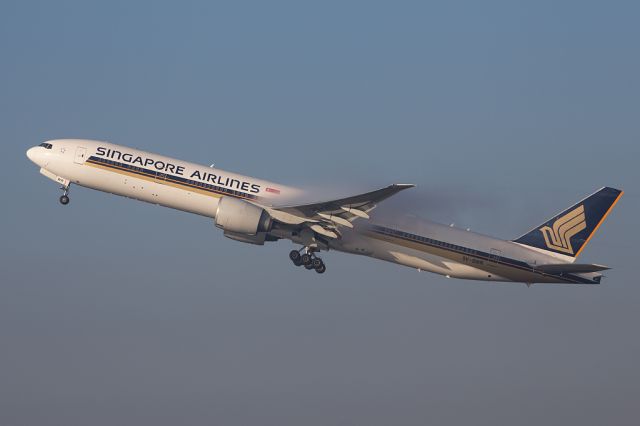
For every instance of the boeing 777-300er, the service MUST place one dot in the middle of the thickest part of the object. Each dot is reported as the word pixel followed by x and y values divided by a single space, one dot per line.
pixel 256 211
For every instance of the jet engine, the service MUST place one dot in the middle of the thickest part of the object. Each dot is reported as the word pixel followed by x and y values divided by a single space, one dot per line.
pixel 240 217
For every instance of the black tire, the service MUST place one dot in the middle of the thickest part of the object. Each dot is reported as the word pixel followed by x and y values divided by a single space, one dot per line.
pixel 64 200
pixel 294 255
pixel 308 266
pixel 297 262
pixel 321 269
pixel 306 259
pixel 317 263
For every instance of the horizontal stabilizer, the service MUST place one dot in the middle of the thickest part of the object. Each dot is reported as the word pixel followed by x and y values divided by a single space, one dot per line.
pixel 571 268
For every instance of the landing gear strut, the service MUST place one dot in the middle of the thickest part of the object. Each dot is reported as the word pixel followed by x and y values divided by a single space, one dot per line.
pixel 307 259
pixel 64 198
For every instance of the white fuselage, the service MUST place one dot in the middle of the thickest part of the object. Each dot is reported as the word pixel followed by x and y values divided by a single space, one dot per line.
pixel 197 189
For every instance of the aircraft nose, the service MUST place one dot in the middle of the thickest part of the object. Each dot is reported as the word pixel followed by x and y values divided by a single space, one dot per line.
pixel 36 155
pixel 31 154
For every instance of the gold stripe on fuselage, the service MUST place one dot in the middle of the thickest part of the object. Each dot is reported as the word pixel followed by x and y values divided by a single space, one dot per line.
pixel 145 176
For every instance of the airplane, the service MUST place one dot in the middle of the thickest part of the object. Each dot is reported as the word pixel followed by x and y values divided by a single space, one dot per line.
pixel 257 211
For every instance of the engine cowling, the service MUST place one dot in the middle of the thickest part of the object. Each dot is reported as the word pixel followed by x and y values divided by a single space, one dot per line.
pixel 238 216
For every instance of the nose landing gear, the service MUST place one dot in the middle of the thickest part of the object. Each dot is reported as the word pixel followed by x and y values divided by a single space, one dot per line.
pixel 64 198
pixel 308 260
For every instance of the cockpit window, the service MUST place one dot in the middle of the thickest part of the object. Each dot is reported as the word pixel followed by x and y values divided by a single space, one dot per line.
pixel 46 145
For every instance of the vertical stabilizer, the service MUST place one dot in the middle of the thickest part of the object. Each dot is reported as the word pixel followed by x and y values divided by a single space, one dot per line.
pixel 569 232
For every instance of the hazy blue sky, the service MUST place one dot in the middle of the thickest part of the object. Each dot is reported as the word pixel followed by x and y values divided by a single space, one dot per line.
pixel 503 112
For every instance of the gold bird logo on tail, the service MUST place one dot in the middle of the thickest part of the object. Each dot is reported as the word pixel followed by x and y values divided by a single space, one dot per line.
pixel 559 236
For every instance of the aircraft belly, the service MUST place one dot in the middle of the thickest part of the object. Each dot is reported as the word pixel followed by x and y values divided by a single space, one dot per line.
pixel 432 262
pixel 408 256
pixel 463 266
pixel 449 263
pixel 143 189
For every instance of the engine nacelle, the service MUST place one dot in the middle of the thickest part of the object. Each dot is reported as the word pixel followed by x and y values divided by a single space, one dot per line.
pixel 257 239
pixel 237 216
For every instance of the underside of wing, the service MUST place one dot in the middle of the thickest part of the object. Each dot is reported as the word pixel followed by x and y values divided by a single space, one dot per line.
pixel 326 217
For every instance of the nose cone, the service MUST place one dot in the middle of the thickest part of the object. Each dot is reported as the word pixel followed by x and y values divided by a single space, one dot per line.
pixel 31 154
pixel 36 155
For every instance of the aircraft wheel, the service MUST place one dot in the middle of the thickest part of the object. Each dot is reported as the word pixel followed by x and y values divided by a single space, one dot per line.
pixel 294 255
pixel 317 263
pixel 306 259
pixel 64 200
pixel 321 269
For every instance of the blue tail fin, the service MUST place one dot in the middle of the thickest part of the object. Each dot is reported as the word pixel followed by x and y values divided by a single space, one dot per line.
pixel 569 232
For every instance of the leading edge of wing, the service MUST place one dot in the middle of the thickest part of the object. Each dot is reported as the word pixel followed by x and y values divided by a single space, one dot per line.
pixel 354 202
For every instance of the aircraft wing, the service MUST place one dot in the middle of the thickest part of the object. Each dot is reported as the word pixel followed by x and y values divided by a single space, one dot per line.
pixel 325 217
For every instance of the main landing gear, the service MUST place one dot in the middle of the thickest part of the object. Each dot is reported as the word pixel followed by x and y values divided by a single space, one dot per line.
pixel 64 198
pixel 307 259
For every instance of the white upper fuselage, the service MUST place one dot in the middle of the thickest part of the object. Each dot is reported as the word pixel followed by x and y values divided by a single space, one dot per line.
pixel 197 189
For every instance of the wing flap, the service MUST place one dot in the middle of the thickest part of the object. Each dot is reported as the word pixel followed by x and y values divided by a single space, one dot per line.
pixel 323 231
pixel 355 212
pixel 336 219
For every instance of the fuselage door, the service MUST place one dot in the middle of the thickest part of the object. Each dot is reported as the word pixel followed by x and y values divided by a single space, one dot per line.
pixel 81 155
